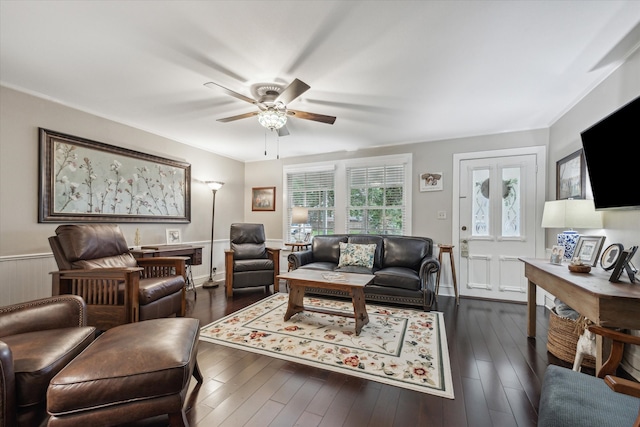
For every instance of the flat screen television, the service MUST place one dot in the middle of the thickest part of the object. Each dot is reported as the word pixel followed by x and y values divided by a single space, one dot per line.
pixel 610 151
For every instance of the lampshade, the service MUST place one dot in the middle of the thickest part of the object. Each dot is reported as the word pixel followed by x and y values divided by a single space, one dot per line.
pixel 215 185
pixel 273 117
pixel 571 213
pixel 300 215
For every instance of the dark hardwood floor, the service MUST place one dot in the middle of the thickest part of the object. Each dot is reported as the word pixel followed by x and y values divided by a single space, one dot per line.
pixel 497 373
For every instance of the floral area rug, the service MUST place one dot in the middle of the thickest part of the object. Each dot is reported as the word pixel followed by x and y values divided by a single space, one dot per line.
pixel 399 346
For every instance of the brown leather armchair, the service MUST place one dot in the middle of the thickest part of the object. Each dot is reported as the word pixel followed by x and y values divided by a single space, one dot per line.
pixel 37 339
pixel 249 262
pixel 95 263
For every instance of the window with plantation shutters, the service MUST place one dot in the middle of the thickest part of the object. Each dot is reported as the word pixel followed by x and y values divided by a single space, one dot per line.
pixel 362 195
pixel 314 190
pixel 376 199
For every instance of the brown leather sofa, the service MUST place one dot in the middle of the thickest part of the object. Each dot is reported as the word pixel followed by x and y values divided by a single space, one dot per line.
pixel 37 339
pixel 95 263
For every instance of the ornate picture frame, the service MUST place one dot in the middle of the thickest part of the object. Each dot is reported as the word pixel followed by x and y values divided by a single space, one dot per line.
pixel 588 249
pixel 571 176
pixel 263 199
pixel 87 181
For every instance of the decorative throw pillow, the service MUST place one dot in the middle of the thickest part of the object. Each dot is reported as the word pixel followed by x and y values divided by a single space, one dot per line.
pixel 360 255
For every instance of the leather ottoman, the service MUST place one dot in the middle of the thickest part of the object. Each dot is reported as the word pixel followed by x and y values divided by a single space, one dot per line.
pixel 130 372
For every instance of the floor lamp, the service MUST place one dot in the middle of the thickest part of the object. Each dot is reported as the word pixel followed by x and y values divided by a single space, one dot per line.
pixel 214 186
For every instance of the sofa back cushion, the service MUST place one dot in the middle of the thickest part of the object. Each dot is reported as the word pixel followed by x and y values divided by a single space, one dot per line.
pixel 405 251
pixel 327 248
pixel 94 246
pixel 368 239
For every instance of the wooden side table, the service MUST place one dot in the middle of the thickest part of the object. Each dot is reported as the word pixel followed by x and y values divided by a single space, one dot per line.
pixel 447 249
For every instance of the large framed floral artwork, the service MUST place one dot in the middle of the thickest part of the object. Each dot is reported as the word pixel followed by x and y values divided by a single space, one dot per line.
pixel 88 181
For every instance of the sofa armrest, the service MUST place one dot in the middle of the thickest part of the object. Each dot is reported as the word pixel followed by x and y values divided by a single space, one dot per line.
pixel 428 270
pixel 300 258
pixel 7 386
pixel 62 311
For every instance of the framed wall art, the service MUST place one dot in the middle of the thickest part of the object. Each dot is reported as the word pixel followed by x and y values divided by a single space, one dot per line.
pixel 588 249
pixel 571 176
pixel 263 199
pixel 174 237
pixel 88 181
pixel 431 181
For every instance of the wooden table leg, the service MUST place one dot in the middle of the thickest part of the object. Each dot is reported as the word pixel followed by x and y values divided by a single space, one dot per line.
pixel 296 300
pixel 531 310
pixel 359 309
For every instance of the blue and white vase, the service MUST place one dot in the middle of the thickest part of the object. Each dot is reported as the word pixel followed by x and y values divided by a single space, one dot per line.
pixel 568 239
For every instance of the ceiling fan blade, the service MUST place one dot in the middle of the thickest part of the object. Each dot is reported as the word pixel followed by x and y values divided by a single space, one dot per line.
pixel 240 96
pixel 238 117
pixel 291 92
pixel 283 131
pixel 312 116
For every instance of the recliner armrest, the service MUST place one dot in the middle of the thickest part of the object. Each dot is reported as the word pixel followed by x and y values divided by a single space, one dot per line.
pixel 62 311
pixel 300 258
pixel 178 263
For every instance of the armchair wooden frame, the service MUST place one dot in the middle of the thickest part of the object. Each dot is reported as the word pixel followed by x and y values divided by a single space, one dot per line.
pixel 101 287
pixel 272 253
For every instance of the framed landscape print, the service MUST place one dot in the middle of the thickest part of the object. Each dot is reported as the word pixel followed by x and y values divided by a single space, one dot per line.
pixel 571 176
pixel 263 199
pixel 88 181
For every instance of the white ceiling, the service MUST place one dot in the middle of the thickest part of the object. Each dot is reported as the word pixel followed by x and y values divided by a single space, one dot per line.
pixel 392 72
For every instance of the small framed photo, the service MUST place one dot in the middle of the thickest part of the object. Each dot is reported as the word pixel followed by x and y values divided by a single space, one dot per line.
pixel 263 199
pixel 610 256
pixel 588 249
pixel 571 176
pixel 431 181
pixel 557 254
pixel 173 236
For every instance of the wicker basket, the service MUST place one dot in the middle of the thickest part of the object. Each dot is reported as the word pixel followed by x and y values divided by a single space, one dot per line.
pixel 563 339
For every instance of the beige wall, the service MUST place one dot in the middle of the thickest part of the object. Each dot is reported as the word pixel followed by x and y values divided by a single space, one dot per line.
pixel 21 115
pixel 427 156
pixel 619 88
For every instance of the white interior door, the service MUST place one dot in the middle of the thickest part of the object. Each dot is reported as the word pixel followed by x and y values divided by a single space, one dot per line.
pixel 497 225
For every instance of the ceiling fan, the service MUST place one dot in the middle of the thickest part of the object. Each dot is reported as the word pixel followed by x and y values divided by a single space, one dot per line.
pixel 272 100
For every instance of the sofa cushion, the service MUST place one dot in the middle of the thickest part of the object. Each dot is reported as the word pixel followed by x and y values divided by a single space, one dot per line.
pixel 356 255
pixel 116 261
pixel 398 277
pixel 39 355
pixel 405 252
pixel 327 248
pixel 248 250
pixel 366 239
pixel 252 265
pixel 328 266
pixel 91 241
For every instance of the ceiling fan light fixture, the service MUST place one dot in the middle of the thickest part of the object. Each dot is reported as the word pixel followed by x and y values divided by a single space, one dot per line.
pixel 273 117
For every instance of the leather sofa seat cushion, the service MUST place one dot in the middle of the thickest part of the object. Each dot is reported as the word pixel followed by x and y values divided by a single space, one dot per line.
pixel 329 266
pixel 397 277
pixel 135 361
pixel 252 265
pixel 327 248
pixel 153 288
pixel 38 355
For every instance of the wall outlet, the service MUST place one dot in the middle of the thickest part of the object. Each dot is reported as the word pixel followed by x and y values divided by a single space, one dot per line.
pixel 442 214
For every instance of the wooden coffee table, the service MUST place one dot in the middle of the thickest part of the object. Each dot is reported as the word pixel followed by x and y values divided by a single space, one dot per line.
pixel 352 283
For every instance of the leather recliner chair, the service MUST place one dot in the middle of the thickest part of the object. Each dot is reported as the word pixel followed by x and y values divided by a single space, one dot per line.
pixel 249 262
pixel 37 339
pixel 95 263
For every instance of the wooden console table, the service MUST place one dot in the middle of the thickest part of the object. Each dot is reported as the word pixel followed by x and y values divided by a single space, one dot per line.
pixel 193 252
pixel 605 303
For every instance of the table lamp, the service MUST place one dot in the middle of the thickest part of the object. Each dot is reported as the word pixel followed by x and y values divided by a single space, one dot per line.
pixel 569 214
pixel 299 216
